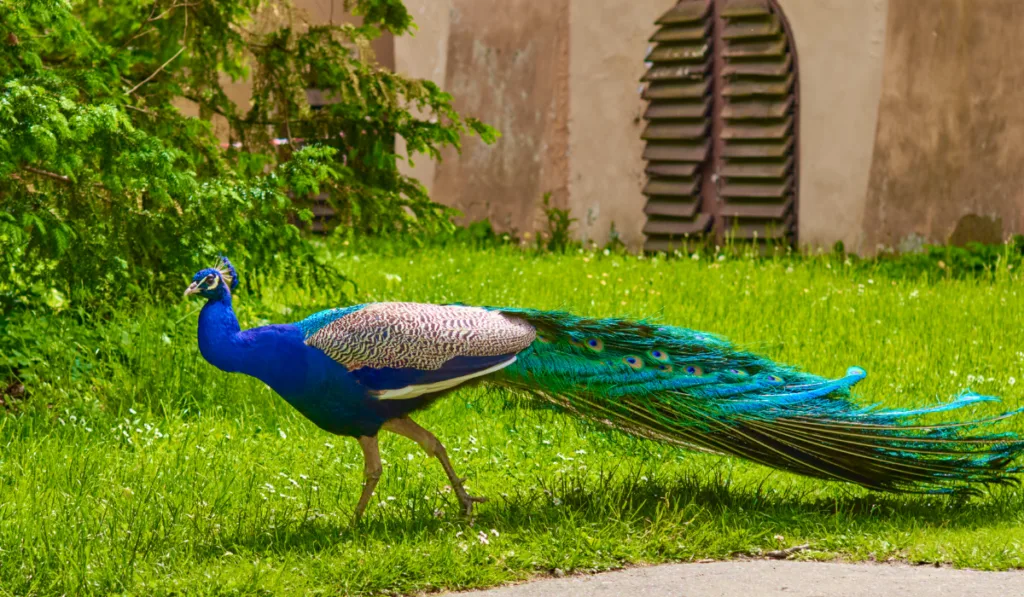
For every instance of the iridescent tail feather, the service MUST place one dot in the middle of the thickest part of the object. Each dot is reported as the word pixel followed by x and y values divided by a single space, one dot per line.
pixel 694 389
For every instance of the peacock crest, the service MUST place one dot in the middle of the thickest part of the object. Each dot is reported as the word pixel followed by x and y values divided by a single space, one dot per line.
pixel 227 272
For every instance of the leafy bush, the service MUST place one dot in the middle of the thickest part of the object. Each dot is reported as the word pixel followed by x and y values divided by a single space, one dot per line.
pixel 974 259
pixel 559 221
pixel 109 189
pixel 933 262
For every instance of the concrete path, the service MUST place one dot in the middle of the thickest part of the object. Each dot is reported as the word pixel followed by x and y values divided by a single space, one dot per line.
pixel 773 579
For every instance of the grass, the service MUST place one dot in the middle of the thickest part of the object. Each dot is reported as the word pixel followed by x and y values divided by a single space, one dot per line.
pixel 151 473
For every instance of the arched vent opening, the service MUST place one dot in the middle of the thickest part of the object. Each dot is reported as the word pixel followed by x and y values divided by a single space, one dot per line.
pixel 722 124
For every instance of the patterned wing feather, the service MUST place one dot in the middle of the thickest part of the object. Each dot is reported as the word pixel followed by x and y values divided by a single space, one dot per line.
pixel 316 322
pixel 403 350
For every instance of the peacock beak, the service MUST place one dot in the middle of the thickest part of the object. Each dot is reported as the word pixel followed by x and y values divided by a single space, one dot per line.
pixel 192 289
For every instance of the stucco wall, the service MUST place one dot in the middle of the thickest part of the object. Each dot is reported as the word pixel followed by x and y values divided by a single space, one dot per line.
pixel 950 141
pixel 507 63
pixel 608 41
pixel 424 55
pixel 840 51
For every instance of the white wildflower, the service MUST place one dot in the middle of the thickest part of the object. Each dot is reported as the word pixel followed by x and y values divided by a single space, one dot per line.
pixel 1012 380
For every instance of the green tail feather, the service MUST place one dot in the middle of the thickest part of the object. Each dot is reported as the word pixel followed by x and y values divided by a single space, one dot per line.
pixel 694 389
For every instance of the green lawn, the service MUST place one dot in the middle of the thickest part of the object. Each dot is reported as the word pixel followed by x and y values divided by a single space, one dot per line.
pixel 154 474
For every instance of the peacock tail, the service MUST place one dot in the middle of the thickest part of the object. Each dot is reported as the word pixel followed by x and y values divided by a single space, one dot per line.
pixel 696 390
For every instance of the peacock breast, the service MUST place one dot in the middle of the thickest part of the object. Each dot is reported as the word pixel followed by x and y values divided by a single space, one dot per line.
pixel 332 398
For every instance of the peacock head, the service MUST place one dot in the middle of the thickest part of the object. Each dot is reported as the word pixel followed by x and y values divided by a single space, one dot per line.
pixel 215 282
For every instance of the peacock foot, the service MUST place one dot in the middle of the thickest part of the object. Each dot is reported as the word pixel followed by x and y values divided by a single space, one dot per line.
pixel 407 427
pixel 465 499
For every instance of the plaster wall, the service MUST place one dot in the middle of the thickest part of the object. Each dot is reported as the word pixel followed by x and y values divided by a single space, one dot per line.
pixel 950 136
pixel 507 64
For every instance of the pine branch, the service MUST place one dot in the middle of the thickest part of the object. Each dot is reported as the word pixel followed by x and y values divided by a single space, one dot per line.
pixel 184 39
pixel 232 118
pixel 48 174
pixel 157 71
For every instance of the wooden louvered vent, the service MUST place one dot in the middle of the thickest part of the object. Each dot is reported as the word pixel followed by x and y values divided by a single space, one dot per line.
pixel 721 127
pixel 678 89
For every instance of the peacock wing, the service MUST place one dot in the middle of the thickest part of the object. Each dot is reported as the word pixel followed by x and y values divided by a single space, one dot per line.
pixel 405 350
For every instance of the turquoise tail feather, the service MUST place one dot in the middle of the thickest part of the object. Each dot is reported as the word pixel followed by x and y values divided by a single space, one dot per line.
pixel 696 390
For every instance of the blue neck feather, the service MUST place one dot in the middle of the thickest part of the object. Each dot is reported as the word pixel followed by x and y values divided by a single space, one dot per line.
pixel 219 340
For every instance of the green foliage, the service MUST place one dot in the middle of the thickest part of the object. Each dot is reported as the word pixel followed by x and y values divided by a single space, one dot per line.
pixel 557 236
pixel 109 189
pixel 933 262
pixel 974 259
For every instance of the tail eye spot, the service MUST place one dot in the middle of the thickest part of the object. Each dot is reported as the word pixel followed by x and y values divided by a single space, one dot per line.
pixel 633 362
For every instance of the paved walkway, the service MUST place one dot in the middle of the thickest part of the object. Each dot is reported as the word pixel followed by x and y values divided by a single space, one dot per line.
pixel 773 579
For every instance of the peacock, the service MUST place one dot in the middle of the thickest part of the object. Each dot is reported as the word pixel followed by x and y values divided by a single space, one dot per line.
pixel 354 371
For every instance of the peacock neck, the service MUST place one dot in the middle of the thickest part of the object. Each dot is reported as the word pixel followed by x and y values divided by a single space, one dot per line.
pixel 218 335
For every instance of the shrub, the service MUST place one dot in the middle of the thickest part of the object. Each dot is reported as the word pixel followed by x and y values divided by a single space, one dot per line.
pixel 108 189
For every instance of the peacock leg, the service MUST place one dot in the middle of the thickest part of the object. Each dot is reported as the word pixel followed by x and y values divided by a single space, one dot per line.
pixel 431 445
pixel 371 471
